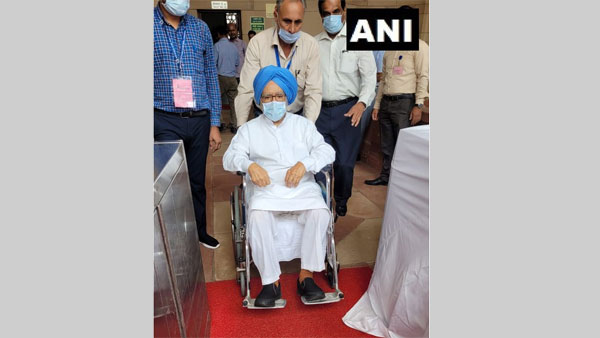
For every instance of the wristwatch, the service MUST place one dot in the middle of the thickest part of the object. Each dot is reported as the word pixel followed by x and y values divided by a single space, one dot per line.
pixel 420 105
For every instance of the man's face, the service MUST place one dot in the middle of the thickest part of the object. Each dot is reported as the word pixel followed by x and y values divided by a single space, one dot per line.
pixel 232 31
pixel 272 92
pixel 333 7
pixel 290 16
pixel 250 36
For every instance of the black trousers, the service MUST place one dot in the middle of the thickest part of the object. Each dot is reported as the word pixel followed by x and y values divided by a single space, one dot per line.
pixel 194 132
pixel 345 139
pixel 393 116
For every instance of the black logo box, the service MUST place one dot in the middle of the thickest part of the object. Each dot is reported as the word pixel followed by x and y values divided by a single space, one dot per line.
pixel 387 14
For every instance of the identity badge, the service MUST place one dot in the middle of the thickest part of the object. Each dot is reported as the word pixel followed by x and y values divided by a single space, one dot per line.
pixel 183 94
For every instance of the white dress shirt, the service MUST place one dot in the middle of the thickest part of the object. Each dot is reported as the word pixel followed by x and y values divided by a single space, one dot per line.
pixel 346 73
pixel 276 149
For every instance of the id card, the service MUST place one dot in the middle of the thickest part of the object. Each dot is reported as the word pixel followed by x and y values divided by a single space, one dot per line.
pixel 183 94
pixel 397 70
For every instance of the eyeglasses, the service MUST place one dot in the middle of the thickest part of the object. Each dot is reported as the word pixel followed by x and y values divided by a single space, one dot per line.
pixel 269 97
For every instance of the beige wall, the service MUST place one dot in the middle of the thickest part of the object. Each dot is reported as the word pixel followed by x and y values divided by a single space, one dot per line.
pixel 312 20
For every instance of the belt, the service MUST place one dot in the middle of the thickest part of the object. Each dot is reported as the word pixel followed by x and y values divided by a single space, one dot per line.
pixel 329 104
pixel 398 97
pixel 185 114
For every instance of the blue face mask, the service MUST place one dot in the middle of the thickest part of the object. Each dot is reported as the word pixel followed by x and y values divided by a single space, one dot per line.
pixel 288 37
pixel 177 7
pixel 274 110
pixel 333 23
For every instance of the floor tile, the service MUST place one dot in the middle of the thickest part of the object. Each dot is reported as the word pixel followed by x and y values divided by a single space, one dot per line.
pixel 224 260
pixel 360 206
pixel 222 218
pixel 346 225
pixel 225 180
pixel 207 263
pixel 360 246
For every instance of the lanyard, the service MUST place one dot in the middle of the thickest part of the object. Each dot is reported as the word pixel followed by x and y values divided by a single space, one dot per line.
pixel 179 60
pixel 277 57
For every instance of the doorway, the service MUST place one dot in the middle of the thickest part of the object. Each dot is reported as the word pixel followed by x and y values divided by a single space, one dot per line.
pixel 217 17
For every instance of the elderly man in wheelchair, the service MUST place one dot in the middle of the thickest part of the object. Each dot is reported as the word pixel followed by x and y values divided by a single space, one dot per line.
pixel 281 152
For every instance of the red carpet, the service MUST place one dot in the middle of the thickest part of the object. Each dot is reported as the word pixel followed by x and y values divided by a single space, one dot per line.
pixel 230 319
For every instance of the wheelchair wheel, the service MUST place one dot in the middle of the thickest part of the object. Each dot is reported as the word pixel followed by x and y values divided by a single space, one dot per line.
pixel 242 278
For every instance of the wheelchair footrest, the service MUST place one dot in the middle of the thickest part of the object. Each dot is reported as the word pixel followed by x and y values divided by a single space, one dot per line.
pixel 330 297
pixel 279 304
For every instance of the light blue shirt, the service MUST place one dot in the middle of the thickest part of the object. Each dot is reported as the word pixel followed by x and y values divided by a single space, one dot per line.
pixel 378 54
pixel 226 57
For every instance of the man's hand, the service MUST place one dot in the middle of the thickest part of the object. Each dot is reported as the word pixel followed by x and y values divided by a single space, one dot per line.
pixel 294 175
pixel 214 139
pixel 355 113
pixel 415 115
pixel 379 77
pixel 258 175
pixel 374 114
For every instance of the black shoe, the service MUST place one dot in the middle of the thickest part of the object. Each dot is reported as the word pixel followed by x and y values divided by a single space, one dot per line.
pixel 268 295
pixel 377 181
pixel 340 210
pixel 209 242
pixel 310 290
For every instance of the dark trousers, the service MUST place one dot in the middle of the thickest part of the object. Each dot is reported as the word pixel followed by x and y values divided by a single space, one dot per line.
pixel 393 116
pixel 194 132
pixel 345 139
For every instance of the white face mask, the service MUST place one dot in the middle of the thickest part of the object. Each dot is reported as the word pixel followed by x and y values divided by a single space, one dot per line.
pixel 274 110
pixel 177 7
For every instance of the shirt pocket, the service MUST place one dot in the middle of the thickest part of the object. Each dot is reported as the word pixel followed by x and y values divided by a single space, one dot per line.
pixel 300 79
pixel 348 62
pixel 407 63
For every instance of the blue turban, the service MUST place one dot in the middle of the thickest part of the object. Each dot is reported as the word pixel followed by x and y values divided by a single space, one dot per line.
pixel 283 77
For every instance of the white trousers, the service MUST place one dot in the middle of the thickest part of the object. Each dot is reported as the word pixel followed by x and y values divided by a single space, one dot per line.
pixel 261 229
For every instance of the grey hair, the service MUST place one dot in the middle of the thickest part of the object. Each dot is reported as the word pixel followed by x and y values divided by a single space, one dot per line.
pixel 278 4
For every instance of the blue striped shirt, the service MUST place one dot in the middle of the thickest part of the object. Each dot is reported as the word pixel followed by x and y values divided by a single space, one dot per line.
pixel 198 62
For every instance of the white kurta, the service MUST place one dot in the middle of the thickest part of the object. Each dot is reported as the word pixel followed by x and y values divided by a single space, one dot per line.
pixel 277 149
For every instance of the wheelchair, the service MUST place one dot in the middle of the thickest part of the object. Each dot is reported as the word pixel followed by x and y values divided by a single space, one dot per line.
pixel 241 248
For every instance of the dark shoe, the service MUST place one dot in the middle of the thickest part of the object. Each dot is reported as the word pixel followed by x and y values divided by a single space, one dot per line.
pixel 209 242
pixel 310 290
pixel 268 295
pixel 377 181
pixel 340 210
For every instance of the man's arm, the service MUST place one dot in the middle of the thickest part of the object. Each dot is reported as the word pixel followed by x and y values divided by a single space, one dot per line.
pixel 314 84
pixel 422 72
pixel 381 85
pixel 212 81
pixel 216 51
pixel 368 77
pixel 243 101
pixel 367 69
pixel 320 153
pixel 236 158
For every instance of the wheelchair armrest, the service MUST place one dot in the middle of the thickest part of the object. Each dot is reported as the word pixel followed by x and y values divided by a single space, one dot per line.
pixel 326 169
